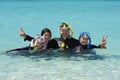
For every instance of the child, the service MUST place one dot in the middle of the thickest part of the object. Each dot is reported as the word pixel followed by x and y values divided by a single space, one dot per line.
pixel 85 42
pixel 38 44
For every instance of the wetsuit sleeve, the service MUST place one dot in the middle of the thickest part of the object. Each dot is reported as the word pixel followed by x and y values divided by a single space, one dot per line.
pixel 28 38
pixel 95 46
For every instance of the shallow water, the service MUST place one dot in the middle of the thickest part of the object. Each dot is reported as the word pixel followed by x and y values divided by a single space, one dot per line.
pixel 98 17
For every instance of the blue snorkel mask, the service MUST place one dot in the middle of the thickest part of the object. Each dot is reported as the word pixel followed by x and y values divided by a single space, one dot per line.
pixel 89 38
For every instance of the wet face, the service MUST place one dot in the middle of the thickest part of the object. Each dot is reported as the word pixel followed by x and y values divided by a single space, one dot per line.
pixel 38 44
pixel 64 32
pixel 46 36
pixel 83 40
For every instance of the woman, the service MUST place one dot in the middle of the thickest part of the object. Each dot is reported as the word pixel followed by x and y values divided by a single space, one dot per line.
pixel 66 41
pixel 45 33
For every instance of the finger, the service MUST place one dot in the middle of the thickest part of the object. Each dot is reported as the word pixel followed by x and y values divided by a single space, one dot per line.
pixel 106 37
pixel 103 38
pixel 21 30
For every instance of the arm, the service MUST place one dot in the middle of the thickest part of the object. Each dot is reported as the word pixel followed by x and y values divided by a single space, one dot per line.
pixel 26 37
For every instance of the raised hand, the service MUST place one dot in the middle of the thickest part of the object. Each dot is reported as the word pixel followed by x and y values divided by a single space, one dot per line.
pixel 103 42
pixel 22 33
pixel 78 49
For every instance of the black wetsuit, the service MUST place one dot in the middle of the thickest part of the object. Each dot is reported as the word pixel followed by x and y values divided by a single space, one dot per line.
pixel 54 43
pixel 70 42
pixel 51 44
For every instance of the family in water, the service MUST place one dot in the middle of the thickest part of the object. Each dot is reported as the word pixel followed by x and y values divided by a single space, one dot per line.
pixel 66 41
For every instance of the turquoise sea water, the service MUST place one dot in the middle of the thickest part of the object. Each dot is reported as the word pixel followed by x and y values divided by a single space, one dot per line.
pixel 97 17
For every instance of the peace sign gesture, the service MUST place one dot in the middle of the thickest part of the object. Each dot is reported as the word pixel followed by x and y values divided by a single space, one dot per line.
pixel 103 42
pixel 22 33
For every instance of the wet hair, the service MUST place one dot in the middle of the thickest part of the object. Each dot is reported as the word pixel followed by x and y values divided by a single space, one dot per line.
pixel 46 30
pixel 67 26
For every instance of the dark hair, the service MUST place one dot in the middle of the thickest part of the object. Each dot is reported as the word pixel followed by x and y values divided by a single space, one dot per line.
pixel 46 30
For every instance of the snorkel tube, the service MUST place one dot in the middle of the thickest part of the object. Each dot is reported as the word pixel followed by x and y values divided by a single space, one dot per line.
pixel 89 38
pixel 67 28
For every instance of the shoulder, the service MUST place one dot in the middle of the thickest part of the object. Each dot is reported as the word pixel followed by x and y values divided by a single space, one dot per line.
pixel 53 40
pixel 73 39
pixel 57 39
pixel 52 44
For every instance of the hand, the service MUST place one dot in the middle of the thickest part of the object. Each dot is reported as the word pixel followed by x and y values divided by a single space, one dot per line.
pixel 78 49
pixel 21 32
pixel 103 42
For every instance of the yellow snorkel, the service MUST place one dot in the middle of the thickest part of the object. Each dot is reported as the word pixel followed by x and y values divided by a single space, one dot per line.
pixel 71 31
pixel 66 26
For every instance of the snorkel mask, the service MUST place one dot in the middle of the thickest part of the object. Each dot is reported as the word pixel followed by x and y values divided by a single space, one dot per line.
pixel 66 26
pixel 41 39
pixel 89 38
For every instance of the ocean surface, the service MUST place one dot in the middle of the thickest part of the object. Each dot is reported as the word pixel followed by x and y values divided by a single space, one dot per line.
pixel 97 17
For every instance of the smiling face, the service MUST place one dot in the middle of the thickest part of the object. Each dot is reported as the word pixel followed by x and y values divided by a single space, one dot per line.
pixel 65 30
pixel 46 36
pixel 38 44
pixel 83 40
pixel 64 33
